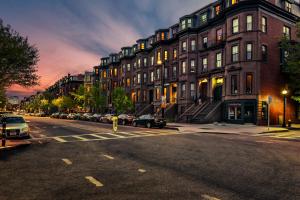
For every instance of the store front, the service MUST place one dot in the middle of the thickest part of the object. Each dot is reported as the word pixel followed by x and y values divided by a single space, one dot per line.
pixel 240 111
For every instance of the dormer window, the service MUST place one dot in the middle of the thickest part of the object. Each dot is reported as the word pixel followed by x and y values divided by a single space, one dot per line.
pixel 142 46
pixel 288 6
pixel 203 18
pixel 217 9
pixel 189 23
pixel 183 24
pixel 162 36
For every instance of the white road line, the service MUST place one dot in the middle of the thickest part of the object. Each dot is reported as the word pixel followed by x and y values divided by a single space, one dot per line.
pixel 98 136
pixel 59 139
pixel 94 181
pixel 67 161
pixel 129 134
pixel 140 133
pixel 108 157
pixel 142 170
pixel 118 136
pixel 80 138
pixel 207 197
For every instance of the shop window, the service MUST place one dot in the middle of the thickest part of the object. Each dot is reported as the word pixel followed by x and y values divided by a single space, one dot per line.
pixel 234 112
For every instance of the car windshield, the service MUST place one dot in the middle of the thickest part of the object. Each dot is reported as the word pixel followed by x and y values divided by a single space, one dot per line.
pixel 14 120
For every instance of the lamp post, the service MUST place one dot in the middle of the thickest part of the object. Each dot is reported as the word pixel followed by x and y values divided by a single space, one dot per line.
pixel 284 93
pixel 163 99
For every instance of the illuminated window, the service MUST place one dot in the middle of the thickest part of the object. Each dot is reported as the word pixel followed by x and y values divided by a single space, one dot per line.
pixel 152 60
pixel 249 23
pixel 157 74
pixel 219 35
pixel 145 62
pixel 264 24
pixel 193 91
pixel 152 76
pixel 174 72
pixel 249 83
pixel 158 57
pixel 115 72
pixel 162 36
pixel 165 55
pixel 193 45
pixel 203 18
pixel 235 53
pixel 287 32
pixel 174 53
pixel 189 23
pixel 145 78
pixel 128 82
pixel 219 60
pixel 104 74
pixel 235 25
pixel 184 47
pixel 234 2
pixel 182 91
pixel 157 93
pixel 288 6
pixel 192 66
pixel 128 67
pixel 139 78
pixel 217 9
pixel 139 63
pixel 204 64
pixel 142 46
pixel 183 24
pixel 183 67
pixel 249 49
pixel 204 42
pixel 96 71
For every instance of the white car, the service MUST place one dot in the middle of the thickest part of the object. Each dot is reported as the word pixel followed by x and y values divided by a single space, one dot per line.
pixel 16 126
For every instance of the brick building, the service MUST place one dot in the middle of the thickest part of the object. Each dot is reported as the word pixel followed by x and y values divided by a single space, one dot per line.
pixel 218 63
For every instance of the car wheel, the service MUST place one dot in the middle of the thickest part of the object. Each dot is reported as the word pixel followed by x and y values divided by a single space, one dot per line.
pixel 148 125
pixel 161 127
pixel 123 122
pixel 134 124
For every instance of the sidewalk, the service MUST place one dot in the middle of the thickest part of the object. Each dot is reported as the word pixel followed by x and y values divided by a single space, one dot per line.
pixel 13 144
pixel 224 128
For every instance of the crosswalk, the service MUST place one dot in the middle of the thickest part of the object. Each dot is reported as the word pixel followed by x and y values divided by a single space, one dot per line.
pixel 110 136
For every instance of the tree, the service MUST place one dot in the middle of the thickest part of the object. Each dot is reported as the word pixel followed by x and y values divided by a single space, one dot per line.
pixel 44 105
pixel 97 99
pixel 18 59
pixel 291 64
pixel 63 103
pixel 2 98
pixel 121 102
pixel 80 96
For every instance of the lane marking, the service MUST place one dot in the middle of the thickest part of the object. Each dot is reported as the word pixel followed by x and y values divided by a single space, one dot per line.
pixel 108 157
pixel 142 171
pixel 207 197
pixel 94 181
pixel 67 161
pixel 98 136
pixel 129 134
pixel 266 142
pixel 80 138
pixel 118 136
pixel 59 139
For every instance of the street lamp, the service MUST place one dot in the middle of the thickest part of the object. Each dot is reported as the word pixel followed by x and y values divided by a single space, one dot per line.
pixel 163 99
pixel 284 93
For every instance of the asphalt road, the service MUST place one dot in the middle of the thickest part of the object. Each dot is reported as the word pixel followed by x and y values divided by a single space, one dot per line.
pixel 84 160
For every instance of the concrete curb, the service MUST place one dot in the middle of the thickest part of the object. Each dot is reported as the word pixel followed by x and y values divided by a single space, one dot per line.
pixel 278 131
pixel 171 128
pixel 9 148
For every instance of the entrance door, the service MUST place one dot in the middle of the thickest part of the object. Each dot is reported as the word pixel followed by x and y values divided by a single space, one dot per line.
pixel 151 96
pixel 249 116
pixel 218 93
pixel 203 91
pixel 173 96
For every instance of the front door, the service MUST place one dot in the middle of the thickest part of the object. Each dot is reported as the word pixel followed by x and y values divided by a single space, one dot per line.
pixel 249 116
pixel 218 93
pixel 151 96
pixel 203 91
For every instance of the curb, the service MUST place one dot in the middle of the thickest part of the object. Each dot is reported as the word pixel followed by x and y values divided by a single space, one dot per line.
pixel 9 148
pixel 171 128
pixel 279 131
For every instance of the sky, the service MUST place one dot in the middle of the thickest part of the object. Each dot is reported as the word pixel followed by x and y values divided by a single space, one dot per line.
pixel 72 35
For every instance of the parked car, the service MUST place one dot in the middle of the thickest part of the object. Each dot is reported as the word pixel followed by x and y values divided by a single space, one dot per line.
pixel 41 114
pixel 77 116
pixel 149 121
pixel 63 116
pixel 16 126
pixel 55 115
pixel 86 116
pixel 96 117
pixel 125 119
pixel 107 118
pixel 71 116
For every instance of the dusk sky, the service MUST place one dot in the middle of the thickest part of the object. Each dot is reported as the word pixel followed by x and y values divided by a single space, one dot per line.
pixel 72 35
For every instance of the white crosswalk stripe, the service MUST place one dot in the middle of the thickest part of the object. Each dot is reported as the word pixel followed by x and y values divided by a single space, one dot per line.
pixel 110 136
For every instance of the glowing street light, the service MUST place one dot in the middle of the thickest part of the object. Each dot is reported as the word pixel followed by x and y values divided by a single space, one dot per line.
pixel 284 93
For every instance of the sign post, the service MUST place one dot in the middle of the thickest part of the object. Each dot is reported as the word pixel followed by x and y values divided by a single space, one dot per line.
pixel 269 103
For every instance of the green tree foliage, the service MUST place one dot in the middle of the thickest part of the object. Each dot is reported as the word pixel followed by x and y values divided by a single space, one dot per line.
pixel 2 98
pixel 18 59
pixel 291 66
pixel 121 102
pixel 63 103
pixel 97 99
pixel 80 96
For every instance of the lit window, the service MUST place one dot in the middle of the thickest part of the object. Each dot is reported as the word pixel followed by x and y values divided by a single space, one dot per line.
pixel 152 60
pixel 139 63
pixel 183 67
pixel 145 62
pixel 264 24
pixel 128 67
pixel 249 83
pixel 288 6
pixel 193 91
pixel 205 41
pixel 235 53
pixel 139 78
pixel 128 82
pixel 165 55
pixel 193 66
pixel 183 24
pixel 158 57
pixel 152 76
pixel 249 23
pixel 174 72
pixel 287 32
pixel 183 89
pixel 193 45
pixel 204 64
pixel 234 2
pixel 142 46
pixel 162 36
pixel 189 23
pixel 157 93
pixel 104 74
pixel 235 25
pixel 249 48
pixel 219 35
pixel 184 46
pixel 115 72
pixel 234 84
pixel 203 18
pixel 145 77
pixel 217 9
pixel 174 53
pixel 157 74
pixel 219 60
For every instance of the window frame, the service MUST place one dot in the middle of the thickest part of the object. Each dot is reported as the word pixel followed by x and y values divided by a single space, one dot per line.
pixel 235 28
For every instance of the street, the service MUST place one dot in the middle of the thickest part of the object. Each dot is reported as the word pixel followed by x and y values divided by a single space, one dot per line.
pixel 86 160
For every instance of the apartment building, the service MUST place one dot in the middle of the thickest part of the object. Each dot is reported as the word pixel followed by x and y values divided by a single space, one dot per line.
pixel 220 63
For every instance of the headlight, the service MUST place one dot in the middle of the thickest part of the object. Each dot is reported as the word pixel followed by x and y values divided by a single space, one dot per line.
pixel 26 129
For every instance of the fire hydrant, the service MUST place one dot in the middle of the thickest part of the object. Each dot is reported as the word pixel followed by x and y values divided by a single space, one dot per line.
pixel 115 123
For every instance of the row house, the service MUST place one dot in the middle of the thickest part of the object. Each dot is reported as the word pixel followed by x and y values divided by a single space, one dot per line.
pixel 218 63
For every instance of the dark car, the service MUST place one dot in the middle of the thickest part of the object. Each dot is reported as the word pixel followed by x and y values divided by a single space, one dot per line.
pixel 95 117
pixel 125 119
pixel 149 121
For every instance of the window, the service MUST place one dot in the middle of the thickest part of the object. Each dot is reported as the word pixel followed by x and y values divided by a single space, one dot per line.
pixel 249 23
pixel 189 23
pixel 217 9
pixel 234 112
pixel 128 82
pixel 123 68
pixel 157 74
pixel 193 45
pixel 166 73
pixel 264 52
pixel 145 62
pixel 104 74
pixel 183 89
pixel 152 60
pixel 249 83
pixel 235 53
pixel 192 66
pixel 139 78
pixel 235 25
pixel 134 80
pixel 162 36
pixel 193 91
pixel 204 64
pixel 183 67
pixel 115 72
pixel 165 55
pixel 219 60
pixel 234 84
pixel 174 53
pixel 219 35
pixel 184 46
pixel 157 93
pixel 183 24
pixel 234 2
pixel 205 41
pixel 249 49
pixel 264 24
pixel 174 72
pixel 152 76
pixel 203 18
pixel 142 46
pixel 288 6
pixel 287 32
pixel 145 78
pixel 139 63
pixel 158 57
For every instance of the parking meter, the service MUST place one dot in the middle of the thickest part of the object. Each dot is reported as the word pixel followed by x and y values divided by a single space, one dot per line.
pixel 3 133
pixel 115 123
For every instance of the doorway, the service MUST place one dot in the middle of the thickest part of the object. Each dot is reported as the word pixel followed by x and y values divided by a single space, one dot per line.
pixel 218 92
pixel 151 96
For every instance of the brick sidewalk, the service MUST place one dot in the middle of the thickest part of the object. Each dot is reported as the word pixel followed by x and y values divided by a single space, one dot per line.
pixel 12 144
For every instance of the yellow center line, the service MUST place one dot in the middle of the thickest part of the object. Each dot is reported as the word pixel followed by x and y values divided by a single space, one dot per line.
pixel 59 139
pixel 67 161
pixel 108 157
pixel 94 181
